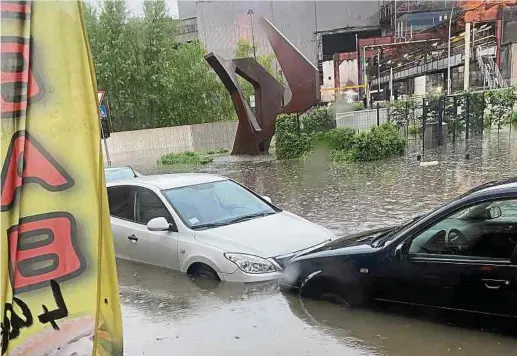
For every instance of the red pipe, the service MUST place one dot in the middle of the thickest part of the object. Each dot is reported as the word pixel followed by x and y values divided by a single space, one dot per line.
pixel 336 71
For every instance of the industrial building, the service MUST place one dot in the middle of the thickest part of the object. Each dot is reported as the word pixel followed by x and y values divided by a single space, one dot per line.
pixel 376 48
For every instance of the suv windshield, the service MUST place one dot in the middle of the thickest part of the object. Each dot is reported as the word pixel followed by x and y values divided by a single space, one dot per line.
pixel 215 204
pixel 389 235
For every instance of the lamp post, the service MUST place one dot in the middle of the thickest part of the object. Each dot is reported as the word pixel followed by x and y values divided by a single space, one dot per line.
pixel 391 84
pixel 449 54
pixel 379 72
pixel 250 14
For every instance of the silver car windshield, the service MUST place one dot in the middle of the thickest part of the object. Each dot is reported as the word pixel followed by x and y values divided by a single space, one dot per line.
pixel 215 204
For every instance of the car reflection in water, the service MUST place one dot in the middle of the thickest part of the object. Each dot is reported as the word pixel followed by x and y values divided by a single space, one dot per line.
pixel 176 295
pixel 394 330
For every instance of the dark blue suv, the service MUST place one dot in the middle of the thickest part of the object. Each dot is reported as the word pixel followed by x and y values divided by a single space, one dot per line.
pixel 461 256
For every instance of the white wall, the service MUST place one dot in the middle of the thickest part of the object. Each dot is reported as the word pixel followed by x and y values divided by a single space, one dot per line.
pixel 146 146
pixel 513 64
pixel 348 72
pixel 420 85
pixel 328 81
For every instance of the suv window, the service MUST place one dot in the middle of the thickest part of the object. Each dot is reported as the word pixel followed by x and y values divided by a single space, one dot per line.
pixel 149 206
pixel 121 202
pixel 486 230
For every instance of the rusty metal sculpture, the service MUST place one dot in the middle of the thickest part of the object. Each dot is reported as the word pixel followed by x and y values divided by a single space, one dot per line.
pixel 301 75
pixel 254 132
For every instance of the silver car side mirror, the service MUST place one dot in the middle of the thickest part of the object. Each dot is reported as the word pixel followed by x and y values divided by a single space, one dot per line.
pixel 158 224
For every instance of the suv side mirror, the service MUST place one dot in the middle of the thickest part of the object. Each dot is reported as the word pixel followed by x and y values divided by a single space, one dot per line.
pixel 268 199
pixel 495 212
pixel 400 251
pixel 160 224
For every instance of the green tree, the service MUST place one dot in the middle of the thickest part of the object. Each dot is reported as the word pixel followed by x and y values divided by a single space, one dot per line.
pixel 500 106
pixel 199 96
pixel 157 49
pixel 91 21
pixel 244 49
pixel 115 55
pixel 151 81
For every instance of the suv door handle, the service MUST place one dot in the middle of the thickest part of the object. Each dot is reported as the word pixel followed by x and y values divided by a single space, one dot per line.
pixel 132 238
pixel 495 283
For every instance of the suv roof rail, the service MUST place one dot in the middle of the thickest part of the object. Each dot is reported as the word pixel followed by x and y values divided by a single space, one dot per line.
pixel 489 184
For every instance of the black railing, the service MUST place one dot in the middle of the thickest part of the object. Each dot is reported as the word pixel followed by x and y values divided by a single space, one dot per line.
pixel 389 8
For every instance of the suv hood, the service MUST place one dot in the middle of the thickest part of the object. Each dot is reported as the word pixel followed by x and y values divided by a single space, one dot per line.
pixel 268 236
pixel 351 244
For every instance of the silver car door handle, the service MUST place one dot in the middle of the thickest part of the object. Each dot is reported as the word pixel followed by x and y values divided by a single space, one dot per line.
pixel 132 238
pixel 495 283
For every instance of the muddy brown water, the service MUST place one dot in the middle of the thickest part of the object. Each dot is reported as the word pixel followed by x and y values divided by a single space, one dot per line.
pixel 166 313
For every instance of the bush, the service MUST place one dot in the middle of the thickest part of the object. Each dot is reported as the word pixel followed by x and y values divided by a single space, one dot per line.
pixel 217 151
pixel 413 129
pixel 286 123
pixel 319 119
pixel 296 134
pixel 289 144
pixel 380 142
pixel 358 105
pixel 500 106
pixel 514 117
pixel 341 156
pixel 185 158
pixel 337 139
pixel 292 145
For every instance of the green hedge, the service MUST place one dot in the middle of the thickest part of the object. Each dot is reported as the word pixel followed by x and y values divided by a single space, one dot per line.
pixel 337 139
pixel 316 120
pixel 185 158
pixel 298 135
pixel 380 142
pixel 217 151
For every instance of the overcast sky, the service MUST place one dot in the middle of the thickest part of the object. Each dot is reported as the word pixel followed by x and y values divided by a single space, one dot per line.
pixel 135 6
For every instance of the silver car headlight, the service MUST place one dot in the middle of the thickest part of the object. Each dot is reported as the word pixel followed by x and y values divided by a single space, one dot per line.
pixel 251 264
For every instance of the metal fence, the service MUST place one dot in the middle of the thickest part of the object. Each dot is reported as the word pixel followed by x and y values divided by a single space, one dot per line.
pixel 362 120
pixel 436 119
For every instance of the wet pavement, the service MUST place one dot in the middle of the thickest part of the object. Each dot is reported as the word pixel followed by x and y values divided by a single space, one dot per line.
pixel 166 313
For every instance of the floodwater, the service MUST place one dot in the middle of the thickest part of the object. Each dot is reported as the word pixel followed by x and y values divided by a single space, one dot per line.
pixel 166 313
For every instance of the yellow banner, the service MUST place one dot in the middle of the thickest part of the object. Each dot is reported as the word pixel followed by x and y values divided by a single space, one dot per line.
pixel 59 288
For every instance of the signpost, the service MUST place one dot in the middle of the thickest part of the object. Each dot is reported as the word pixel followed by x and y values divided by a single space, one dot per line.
pixel 104 114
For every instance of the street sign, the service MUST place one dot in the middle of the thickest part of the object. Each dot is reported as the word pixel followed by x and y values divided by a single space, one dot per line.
pixel 103 111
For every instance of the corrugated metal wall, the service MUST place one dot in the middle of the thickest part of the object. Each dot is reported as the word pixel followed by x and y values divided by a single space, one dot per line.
pixel 510 28
pixel 222 23
pixel 186 9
